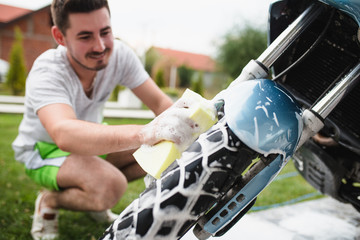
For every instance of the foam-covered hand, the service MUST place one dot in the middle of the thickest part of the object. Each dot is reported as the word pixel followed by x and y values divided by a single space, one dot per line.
pixel 179 126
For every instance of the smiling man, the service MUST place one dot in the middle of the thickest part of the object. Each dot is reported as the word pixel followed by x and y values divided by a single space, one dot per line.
pixel 62 136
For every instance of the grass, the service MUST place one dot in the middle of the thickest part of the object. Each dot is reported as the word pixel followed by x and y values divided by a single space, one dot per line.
pixel 282 190
pixel 18 193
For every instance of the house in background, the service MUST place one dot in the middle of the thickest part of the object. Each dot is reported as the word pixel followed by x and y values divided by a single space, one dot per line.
pixel 169 61
pixel 35 27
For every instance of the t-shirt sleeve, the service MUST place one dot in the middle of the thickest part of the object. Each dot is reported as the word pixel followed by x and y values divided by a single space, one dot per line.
pixel 133 71
pixel 45 87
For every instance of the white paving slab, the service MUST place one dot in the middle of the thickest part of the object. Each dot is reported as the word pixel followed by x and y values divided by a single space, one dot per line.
pixel 321 219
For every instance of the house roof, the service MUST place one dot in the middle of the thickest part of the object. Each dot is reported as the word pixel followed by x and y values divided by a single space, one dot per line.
pixel 195 61
pixel 10 13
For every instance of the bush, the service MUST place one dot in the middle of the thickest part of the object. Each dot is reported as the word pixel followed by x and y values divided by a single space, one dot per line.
pixel 185 74
pixel 159 78
pixel 198 84
pixel 151 57
pixel 115 93
pixel 16 75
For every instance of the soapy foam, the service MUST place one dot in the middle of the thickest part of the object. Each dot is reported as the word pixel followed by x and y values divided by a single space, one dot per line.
pixel 264 109
pixel 191 192
pixel 174 123
pixel 275 119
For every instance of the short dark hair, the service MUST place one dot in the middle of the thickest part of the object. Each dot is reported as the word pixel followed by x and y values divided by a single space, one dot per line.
pixel 60 10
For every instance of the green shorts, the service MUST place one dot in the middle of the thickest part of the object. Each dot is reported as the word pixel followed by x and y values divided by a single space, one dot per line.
pixel 50 155
pixel 45 176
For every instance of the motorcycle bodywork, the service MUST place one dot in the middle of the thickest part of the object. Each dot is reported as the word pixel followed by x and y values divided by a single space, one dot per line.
pixel 216 166
pixel 265 118
pixel 308 111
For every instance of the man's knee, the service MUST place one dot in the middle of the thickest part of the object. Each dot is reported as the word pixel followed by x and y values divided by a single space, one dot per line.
pixel 109 191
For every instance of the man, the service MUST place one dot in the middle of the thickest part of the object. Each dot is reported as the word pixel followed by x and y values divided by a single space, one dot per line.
pixel 61 135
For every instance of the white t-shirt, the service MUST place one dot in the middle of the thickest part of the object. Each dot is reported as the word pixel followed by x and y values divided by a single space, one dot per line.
pixel 53 80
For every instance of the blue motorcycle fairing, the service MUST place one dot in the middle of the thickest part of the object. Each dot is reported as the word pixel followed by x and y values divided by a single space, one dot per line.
pixel 267 119
pixel 264 116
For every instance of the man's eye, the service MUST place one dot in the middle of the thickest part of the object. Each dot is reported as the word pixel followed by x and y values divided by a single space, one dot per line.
pixel 84 37
pixel 105 33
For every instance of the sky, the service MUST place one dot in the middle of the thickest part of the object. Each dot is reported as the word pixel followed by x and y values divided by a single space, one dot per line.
pixel 196 26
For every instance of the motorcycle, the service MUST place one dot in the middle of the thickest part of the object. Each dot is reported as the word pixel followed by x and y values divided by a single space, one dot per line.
pixel 308 112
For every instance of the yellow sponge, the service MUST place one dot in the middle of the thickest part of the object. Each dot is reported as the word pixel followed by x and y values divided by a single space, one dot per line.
pixel 202 116
pixel 155 159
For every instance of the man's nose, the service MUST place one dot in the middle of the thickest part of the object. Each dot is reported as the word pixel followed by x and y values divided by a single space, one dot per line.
pixel 99 45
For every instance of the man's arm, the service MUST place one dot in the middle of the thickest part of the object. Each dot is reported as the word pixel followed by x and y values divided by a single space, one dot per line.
pixel 151 95
pixel 86 138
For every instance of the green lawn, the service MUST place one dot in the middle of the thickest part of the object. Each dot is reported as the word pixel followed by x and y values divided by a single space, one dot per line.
pixel 18 193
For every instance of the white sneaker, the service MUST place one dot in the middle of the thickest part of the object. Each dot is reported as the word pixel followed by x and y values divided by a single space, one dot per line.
pixel 45 222
pixel 104 216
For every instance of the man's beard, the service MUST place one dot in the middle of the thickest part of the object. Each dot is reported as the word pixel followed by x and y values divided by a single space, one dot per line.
pixel 98 67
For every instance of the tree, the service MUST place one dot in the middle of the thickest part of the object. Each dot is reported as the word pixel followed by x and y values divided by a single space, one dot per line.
pixel 16 75
pixel 115 93
pixel 151 56
pixel 185 74
pixel 198 84
pixel 159 78
pixel 239 47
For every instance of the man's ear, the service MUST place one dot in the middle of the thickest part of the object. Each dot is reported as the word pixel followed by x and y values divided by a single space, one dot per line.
pixel 57 35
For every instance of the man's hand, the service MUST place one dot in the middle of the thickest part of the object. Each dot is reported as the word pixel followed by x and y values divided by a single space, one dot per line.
pixel 175 124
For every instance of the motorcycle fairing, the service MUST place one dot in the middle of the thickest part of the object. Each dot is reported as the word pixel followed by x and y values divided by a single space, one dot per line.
pixel 266 119
pixel 264 116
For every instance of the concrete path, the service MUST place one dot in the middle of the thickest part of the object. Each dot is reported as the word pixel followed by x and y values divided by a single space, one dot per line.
pixel 321 219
